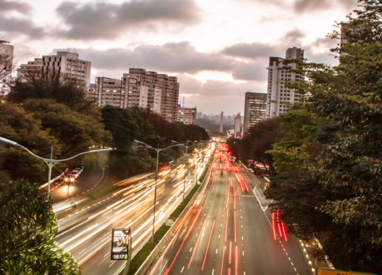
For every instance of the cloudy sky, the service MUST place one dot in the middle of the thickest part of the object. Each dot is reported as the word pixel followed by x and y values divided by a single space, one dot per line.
pixel 218 49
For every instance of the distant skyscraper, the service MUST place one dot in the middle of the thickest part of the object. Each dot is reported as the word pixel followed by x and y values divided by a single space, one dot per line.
pixel 278 95
pixel 6 50
pixel 237 126
pixel 221 123
pixel 254 109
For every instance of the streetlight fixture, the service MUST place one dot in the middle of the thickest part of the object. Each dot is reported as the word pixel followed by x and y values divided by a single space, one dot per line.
pixel 188 145
pixel 51 162
pixel 156 175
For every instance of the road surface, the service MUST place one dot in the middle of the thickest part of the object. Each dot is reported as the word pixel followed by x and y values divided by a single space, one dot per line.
pixel 227 232
pixel 86 234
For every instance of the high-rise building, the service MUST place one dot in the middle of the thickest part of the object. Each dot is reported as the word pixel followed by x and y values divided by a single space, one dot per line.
pixel 255 109
pixel 6 51
pixel 66 63
pixel 139 88
pixel 221 123
pixel 187 115
pixel 278 95
pixel 107 91
pixel 237 126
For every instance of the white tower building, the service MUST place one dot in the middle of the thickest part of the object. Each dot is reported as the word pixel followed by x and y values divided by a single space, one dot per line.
pixel 279 96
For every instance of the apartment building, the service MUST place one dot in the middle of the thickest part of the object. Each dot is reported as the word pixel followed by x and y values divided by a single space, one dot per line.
pixel 279 97
pixel 107 91
pixel 6 51
pixel 187 115
pixel 34 66
pixel 66 63
pixel 139 88
pixel 255 109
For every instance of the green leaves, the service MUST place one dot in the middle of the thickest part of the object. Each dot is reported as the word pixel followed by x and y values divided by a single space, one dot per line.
pixel 28 228
pixel 334 146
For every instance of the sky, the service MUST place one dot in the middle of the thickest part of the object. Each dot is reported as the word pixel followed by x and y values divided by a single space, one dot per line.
pixel 218 49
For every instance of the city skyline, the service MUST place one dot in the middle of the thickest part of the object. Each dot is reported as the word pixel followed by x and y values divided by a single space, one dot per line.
pixel 212 50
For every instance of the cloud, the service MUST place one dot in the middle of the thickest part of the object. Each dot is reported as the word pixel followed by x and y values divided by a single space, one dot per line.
pixel 253 50
pixel 24 53
pixel 304 6
pixel 257 50
pixel 301 6
pixel 292 38
pixel 11 25
pixel 103 20
pixel 18 6
pixel 215 96
pixel 172 57
pixel 348 4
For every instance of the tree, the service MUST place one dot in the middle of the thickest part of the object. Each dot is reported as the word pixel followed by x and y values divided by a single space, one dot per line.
pixel 28 229
pixel 6 64
pixel 256 144
pixel 299 127
pixel 19 125
pixel 126 125
pixel 38 85
pixel 345 173
pixel 39 124
pixel 75 132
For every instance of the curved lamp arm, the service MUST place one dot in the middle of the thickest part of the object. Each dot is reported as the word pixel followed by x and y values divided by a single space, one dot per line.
pixel 144 144
pixel 51 160
pixel 180 144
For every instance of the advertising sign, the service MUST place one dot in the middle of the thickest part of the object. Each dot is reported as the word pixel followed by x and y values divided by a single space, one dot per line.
pixel 326 271
pixel 120 244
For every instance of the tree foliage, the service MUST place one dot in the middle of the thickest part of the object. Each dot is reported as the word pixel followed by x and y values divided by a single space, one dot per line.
pixel 256 144
pixel 38 85
pixel 45 110
pixel 28 229
pixel 126 125
pixel 335 192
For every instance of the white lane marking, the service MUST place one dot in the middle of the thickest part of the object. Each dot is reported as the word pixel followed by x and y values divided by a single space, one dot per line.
pixel 191 249
pixel 243 253
pixel 182 270
pixel 213 271
pixel 216 251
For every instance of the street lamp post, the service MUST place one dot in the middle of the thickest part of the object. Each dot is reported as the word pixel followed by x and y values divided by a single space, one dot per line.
pixel 156 176
pixel 51 162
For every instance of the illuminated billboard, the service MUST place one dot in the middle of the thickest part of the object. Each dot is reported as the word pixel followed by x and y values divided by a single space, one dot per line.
pixel 120 244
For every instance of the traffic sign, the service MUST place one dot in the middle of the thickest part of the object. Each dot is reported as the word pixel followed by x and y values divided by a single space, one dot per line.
pixel 120 244
pixel 327 271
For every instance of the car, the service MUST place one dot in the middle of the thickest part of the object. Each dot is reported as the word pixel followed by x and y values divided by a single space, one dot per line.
pixel 74 174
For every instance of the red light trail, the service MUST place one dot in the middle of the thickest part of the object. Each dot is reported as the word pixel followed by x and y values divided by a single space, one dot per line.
pixel 234 218
pixel 208 244
pixel 221 272
pixel 196 245
pixel 236 260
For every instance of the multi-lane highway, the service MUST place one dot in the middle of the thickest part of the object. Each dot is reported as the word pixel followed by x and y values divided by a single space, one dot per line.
pixel 86 234
pixel 227 231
